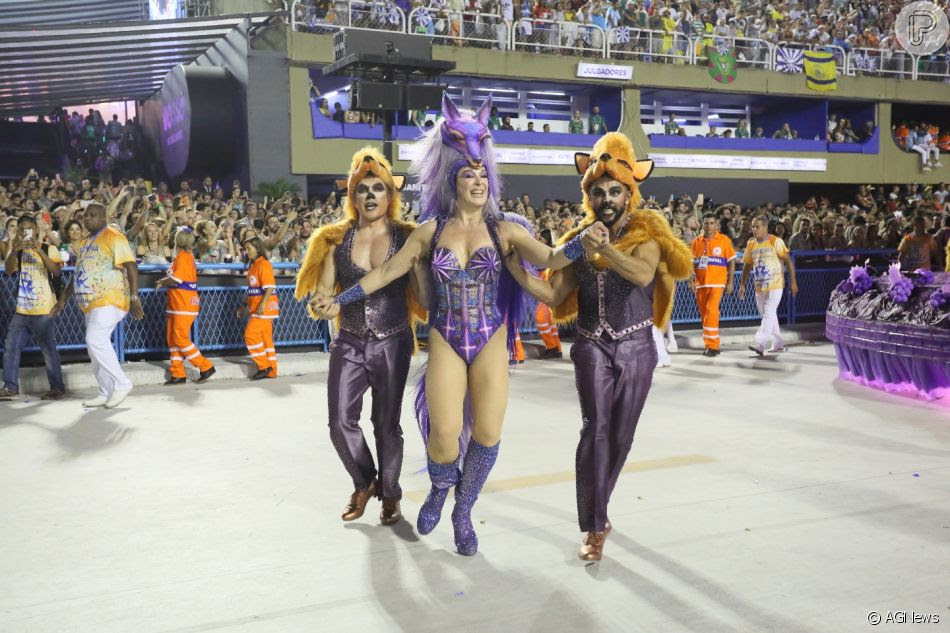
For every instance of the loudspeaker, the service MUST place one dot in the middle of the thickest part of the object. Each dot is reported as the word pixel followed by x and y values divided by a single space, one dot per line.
pixel 368 96
pixel 386 43
pixel 422 96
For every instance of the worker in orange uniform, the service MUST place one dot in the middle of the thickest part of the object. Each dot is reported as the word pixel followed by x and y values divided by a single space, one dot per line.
pixel 943 141
pixel 714 267
pixel 181 310
pixel 516 357
pixel 262 310
pixel 547 328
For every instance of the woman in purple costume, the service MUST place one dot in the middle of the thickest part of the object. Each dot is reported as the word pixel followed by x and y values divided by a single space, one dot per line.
pixel 475 304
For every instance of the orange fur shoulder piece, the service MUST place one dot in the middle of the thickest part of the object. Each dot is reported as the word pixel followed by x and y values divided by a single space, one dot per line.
pixel 318 246
pixel 676 262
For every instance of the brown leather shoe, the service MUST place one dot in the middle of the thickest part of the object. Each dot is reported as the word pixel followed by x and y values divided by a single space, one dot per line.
pixel 358 500
pixel 593 546
pixel 54 394
pixel 390 514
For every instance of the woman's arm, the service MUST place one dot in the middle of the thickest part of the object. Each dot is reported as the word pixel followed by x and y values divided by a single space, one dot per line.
pixel 638 267
pixel 553 292
pixel 126 210
pixel 138 226
pixel 542 255
pixel 419 281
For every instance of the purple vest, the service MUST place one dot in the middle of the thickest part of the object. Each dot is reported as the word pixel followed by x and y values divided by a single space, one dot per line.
pixel 386 311
pixel 609 304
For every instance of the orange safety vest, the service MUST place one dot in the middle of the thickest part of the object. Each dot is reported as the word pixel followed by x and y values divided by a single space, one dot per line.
pixel 260 277
pixel 183 298
pixel 718 252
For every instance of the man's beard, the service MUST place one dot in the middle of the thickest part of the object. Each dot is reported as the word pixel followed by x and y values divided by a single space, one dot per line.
pixel 608 206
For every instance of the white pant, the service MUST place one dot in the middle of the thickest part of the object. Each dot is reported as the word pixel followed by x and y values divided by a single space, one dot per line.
pixel 100 322
pixel 768 309
pixel 925 153
pixel 662 355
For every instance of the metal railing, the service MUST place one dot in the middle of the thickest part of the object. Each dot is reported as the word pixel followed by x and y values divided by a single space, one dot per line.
pixel 648 45
pixel 876 62
pixel 750 52
pixel 461 28
pixel 378 15
pixel 563 38
pixel 217 327
pixel 932 68
pixel 488 30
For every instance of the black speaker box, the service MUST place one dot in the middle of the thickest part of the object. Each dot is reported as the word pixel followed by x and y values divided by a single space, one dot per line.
pixel 368 96
pixel 390 44
pixel 422 96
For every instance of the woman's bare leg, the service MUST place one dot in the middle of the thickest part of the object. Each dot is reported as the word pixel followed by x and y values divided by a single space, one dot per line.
pixel 488 389
pixel 446 382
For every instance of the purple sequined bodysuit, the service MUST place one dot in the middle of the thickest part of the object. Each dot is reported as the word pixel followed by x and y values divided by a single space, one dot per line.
pixel 466 310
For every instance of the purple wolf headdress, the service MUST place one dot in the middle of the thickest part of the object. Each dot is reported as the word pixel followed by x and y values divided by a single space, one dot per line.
pixel 462 140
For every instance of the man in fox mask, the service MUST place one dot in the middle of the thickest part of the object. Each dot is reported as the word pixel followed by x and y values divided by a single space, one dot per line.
pixel 615 293
pixel 376 334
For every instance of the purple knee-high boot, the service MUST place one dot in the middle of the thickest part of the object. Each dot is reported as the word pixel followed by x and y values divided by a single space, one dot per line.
pixel 479 461
pixel 443 477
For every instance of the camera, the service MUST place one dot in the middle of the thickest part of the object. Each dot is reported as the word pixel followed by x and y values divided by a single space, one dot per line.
pixel 27 234
pixel 150 198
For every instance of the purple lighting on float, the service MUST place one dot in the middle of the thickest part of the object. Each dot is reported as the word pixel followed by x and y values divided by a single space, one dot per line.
pixel 905 388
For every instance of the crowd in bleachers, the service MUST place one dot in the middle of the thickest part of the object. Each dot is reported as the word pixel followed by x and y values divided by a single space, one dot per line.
pixel 149 214
pixel 660 27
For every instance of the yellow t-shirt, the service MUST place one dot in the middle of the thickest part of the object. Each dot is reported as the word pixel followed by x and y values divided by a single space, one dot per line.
pixel 35 296
pixel 99 280
pixel 765 260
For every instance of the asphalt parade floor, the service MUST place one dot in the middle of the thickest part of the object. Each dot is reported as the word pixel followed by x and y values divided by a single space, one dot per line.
pixel 760 495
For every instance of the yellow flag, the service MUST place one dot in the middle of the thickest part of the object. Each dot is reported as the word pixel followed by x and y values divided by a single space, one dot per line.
pixel 820 71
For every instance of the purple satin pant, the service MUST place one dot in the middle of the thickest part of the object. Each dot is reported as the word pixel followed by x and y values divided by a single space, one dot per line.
pixel 613 380
pixel 381 365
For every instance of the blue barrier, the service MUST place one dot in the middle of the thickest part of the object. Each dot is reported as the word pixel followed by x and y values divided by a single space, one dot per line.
pixel 217 328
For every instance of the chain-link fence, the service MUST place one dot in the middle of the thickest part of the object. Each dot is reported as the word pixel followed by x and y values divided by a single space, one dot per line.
pixel 563 38
pixel 648 45
pixel 379 15
pixel 460 28
pixel 218 327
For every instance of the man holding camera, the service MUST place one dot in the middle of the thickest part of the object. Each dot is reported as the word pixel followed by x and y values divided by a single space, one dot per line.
pixel 39 265
pixel 106 287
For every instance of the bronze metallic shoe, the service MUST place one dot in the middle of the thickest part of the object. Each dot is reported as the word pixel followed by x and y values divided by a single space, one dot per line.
pixel 358 500
pixel 390 514
pixel 593 546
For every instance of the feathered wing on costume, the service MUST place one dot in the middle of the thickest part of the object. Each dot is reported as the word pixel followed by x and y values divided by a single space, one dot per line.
pixel 369 161
pixel 613 155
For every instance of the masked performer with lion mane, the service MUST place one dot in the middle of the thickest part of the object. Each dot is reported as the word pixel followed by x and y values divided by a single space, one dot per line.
pixel 474 310
pixel 615 296
pixel 376 334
